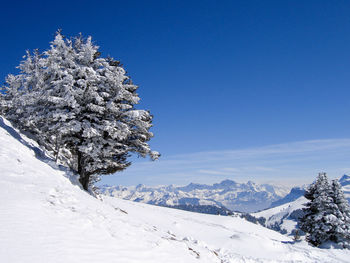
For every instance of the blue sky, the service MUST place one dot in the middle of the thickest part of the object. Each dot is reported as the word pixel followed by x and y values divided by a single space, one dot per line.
pixel 218 76
pixel 289 164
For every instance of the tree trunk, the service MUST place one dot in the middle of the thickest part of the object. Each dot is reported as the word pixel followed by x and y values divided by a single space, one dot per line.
pixel 84 177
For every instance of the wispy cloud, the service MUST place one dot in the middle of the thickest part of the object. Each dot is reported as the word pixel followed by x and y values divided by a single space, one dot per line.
pixel 215 172
pixel 294 162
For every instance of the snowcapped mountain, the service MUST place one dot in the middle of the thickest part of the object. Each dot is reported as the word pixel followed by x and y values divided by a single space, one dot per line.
pixel 45 216
pixel 243 197
pixel 294 194
pixel 344 180
pixel 345 183
pixel 297 192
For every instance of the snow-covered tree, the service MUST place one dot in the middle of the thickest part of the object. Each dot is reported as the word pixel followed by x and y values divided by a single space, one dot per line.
pixel 341 233
pixel 80 107
pixel 2 99
pixel 323 221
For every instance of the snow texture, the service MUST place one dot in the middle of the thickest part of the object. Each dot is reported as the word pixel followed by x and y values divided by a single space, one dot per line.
pixel 46 217
pixel 284 217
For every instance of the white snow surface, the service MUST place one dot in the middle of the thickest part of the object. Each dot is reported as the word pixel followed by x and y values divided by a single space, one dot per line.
pixel 46 217
pixel 280 214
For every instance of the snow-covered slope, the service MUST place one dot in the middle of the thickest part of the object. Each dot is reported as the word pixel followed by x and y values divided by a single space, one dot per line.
pixel 243 197
pixel 283 218
pixel 294 194
pixel 44 217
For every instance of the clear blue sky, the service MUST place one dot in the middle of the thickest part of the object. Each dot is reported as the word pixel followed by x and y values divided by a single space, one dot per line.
pixel 217 75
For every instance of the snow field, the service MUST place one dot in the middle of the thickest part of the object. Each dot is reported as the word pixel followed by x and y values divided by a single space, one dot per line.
pixel 44 217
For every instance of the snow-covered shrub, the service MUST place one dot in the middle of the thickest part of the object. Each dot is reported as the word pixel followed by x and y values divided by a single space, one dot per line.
pixel 80 107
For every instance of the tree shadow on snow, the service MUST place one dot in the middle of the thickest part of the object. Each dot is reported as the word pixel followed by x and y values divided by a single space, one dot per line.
pixel 39 153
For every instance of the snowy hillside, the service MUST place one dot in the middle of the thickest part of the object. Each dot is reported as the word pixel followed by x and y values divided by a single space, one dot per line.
pixel 44 217
pixel 243 197
pixel 294 194
pixel 283 218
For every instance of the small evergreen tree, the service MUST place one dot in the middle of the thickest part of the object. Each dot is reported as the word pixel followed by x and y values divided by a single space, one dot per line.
pixel 341 233
pixel 296 237
pixel 80 107
pixel 313 222
pixel 323 221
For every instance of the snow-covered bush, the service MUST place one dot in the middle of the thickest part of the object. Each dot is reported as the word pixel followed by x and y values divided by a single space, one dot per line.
pixel 326 216
pixel 80 107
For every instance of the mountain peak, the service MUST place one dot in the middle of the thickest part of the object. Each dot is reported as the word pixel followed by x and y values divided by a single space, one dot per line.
pixel 226 183
pixel 344 180
pixel 140 186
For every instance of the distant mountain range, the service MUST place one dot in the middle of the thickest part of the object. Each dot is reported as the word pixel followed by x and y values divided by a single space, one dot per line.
pixel 220 198
pixel 224 196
